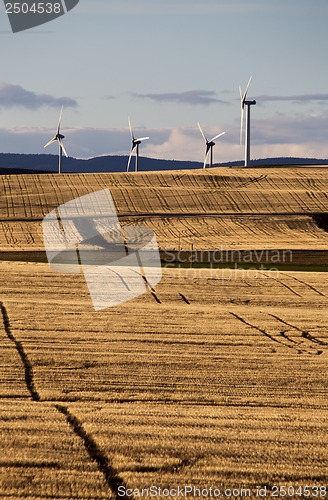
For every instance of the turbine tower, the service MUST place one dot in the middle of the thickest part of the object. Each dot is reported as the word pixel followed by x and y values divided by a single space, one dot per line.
pixel 244 103
pixel 134 146
pixel 59 138
pixel 209 146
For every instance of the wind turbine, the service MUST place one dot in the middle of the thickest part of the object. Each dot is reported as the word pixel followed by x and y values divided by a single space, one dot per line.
pixel 209 146
pixel 134 146
pixel 59 138
pixel 244 103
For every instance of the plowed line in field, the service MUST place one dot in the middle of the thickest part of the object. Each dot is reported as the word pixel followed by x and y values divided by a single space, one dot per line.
pixel 121 278
pixel 184 298
pixel 112 478
pixel 304 333
pixel 252 181
pixel 284 334
pixel 264 332
pixel 182 215
pixel 308 336
pixel 283 284
pixel 148 285
pixel 29 377
pixel 258 329
pixel 306 284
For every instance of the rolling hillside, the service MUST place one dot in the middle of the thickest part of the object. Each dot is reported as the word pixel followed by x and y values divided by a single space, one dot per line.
pixel 201 209
pixel 214 377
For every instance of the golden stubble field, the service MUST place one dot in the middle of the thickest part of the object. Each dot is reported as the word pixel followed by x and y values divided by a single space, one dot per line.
pixel 216 379
pixel 203 209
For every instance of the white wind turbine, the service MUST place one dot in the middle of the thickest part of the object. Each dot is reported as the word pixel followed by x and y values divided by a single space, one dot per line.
pixel 209 146
pixel 134 146
pixel 244 103
pixel 59 138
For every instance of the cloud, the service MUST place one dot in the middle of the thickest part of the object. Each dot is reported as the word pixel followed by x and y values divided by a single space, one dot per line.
pixel 191 97
pixel 299 99
pixel 79 142
pixel 16 96
pixel 298 129
pixel 282 135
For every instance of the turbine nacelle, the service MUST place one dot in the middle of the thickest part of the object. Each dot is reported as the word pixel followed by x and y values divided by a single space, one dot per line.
pixel 136 142
pixel 244 102
pixel 209 145
pixel 249 103
pixel 135 146
pixel 59 138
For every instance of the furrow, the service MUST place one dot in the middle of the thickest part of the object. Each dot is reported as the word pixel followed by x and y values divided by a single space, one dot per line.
pixel 29 376
pixel 306 284
pixel 264 332
pixel 305 334
pixel 283 284
pixel 112 478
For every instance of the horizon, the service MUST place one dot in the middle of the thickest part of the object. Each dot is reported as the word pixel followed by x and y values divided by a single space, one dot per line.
pixel 123 159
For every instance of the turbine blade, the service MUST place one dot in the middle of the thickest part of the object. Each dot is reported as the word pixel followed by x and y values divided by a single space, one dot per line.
pixel 142 139
pixel 206 157
pixel 62 146
pixel 130 127
pixel 59 121
pixel 129 160
pixel 201 131
pixel 245 94
pixel 217 136
pixel 54 139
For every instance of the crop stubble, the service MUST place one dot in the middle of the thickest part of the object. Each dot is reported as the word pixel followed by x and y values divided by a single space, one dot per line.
pixel 222 382
pixel 217 378
pixel 201 209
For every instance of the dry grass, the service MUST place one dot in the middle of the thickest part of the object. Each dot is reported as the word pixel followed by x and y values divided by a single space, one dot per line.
pixel 216 191
pixel 42 458
pixel 218 378
pixel 223 382
pixel 185 208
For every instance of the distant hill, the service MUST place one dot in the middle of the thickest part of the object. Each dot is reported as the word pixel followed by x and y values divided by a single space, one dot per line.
pixel 11 163
pixel 45 163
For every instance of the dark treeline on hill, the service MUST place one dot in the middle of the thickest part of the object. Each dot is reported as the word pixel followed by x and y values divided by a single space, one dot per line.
pixel 11 163
pixel 44 163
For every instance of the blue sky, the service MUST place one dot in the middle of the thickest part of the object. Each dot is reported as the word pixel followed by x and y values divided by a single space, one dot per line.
pixel 169 64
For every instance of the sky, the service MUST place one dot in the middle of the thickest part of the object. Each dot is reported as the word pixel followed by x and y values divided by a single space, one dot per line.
pixel 169 64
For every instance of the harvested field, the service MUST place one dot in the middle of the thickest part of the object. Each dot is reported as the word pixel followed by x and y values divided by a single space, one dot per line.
pixel 209 191
pixel 216 378
pixel 204 209
pixel 222 381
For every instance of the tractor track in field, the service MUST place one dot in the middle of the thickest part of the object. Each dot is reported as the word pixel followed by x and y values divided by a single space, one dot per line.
pixel 306 284
pixel 297 280
pixel 149 286
pixel 29 376
pixel 182 215
pixel 290 343
pixel 113 480
pixel 254 180
pixel 304 333
pixel 259 329
pixel 283 284
pixel 153 292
